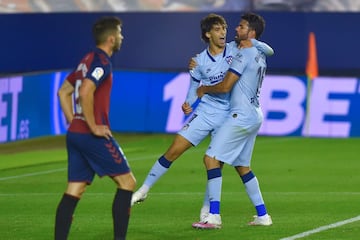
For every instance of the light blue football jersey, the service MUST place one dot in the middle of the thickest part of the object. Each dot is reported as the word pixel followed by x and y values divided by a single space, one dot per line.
pixel 213 109
pixel 234 141
pixel 250 65
pixel 211 70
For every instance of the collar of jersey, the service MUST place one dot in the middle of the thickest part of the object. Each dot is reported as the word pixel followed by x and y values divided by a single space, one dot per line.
pixel 211 57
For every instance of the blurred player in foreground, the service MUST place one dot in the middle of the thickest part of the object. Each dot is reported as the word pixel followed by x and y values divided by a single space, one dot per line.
pixel 90 145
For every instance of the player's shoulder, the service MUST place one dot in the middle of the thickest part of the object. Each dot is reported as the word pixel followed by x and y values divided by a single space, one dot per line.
pixel 95 57
pixel 252 54
pixel 255 53
pixel 101 57
pixel 244 54
pixel 88 57
pixel 248 51
pixel 231 45
pixel 201 56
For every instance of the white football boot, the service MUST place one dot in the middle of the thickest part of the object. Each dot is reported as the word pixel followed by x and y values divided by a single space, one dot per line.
pixel 261 221
pixel 212 221
pixel 138 197
pixel 204 213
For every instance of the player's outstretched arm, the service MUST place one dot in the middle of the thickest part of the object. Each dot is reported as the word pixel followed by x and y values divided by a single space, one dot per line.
pixel 262 47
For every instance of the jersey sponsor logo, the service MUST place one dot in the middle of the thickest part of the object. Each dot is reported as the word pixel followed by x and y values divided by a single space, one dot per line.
pixel 217 78
pixel 239 57
pixel 98 73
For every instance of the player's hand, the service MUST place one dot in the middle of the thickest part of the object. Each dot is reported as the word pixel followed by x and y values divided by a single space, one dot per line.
pixel 192 64
pixel 200 91
pixel 102 131
pixel 186 108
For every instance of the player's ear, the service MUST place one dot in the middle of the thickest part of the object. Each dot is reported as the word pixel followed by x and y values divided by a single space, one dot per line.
pixel 252 33
pixel 111 39
pixel 207 34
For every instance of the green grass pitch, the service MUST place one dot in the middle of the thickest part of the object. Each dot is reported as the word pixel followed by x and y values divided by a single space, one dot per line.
pixel 306 183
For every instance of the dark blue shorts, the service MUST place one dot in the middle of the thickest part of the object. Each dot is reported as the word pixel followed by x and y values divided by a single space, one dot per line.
pixel 89 155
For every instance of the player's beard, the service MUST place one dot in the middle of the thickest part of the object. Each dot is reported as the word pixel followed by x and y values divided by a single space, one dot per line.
pixel 117 46
pixel 238 38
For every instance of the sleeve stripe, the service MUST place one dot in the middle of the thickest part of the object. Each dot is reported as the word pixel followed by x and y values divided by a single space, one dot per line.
pixel 195 80
pixel 235 72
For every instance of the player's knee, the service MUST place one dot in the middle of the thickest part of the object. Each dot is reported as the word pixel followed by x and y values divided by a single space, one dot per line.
pixel 131 185
pixel 242 170
pixel 174 152
pixel 206 159
pixel 126 182
pixel 177 148
pixel 211 162
pixel 171 155
pixel 76 189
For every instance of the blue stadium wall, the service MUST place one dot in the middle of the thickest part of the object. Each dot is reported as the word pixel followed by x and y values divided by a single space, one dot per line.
pixel 150 80
pixel 166 41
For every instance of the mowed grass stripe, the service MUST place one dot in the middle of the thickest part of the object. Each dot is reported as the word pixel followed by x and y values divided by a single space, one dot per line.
pixel 306 183
pixel 186 193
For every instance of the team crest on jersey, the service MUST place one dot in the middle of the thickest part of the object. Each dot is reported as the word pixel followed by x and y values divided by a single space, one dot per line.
pixel 97 73
pixel 228 59
pixel 208 70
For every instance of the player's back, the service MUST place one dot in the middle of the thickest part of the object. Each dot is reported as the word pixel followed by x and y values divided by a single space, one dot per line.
pixel 95 66
pixel 251 65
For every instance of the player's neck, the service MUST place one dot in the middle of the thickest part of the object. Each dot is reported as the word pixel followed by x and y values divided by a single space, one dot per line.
pixel 107 50
pixel 245 43
pixel 215 50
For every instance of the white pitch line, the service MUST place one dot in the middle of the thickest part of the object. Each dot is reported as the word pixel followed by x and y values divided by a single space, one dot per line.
pixel 130 160
pixel 33 174
pixel 323 228
pixel 62 169
pixel 176 193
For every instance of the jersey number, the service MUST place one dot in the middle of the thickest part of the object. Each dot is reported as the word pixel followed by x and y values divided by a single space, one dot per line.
pixel 260 74
pixel 78 108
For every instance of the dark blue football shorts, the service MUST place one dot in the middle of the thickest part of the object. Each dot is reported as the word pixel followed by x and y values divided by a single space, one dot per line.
pixel 89 155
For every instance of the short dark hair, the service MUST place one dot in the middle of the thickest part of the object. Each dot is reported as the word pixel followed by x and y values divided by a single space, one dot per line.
pixel 104 27
pixel 208 22
pixel 256 23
